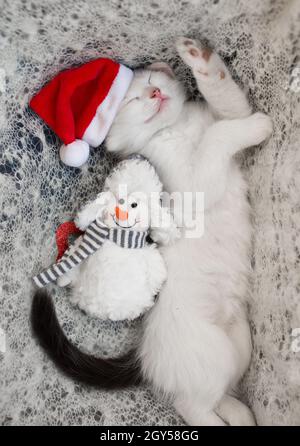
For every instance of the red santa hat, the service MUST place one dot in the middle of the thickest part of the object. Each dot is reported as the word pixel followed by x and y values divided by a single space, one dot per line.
pixel 80 105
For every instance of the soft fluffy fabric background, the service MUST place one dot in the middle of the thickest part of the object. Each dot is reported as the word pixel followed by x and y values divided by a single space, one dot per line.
pixel 260 41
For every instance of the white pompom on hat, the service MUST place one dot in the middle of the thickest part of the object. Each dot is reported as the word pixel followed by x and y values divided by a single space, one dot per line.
pixel 75 154
pixel 80 105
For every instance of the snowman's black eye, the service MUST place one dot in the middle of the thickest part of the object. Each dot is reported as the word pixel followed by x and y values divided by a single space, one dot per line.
pixel 121 201
pixel 133 205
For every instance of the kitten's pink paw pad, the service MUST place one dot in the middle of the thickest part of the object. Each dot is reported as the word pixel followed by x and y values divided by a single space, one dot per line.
pixel 194 52
pixel 206 53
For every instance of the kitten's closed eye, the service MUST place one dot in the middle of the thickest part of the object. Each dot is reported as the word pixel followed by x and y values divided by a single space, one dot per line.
pixel 129 102
pixel 132 99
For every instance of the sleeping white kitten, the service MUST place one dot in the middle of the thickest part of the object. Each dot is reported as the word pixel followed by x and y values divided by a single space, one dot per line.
pixel 196 342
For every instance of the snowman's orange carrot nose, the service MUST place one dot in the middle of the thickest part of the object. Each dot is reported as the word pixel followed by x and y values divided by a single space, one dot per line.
pixel 121 215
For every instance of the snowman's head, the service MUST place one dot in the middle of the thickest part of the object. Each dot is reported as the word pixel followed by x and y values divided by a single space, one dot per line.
pixel 122 210
pixel 131 196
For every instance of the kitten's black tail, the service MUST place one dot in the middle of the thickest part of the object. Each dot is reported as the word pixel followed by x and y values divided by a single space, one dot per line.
pixel 104 373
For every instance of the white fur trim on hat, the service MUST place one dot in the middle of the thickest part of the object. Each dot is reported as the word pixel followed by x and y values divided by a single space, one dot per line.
pixel 75 154
pixel 96 132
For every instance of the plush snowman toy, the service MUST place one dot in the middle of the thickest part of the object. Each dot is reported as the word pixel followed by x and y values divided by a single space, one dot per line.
pixel 121 272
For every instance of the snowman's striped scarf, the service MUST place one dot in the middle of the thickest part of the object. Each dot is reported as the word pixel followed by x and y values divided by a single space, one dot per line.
pixel 93 238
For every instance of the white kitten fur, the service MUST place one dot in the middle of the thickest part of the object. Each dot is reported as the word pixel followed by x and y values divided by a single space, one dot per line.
pixel 196 342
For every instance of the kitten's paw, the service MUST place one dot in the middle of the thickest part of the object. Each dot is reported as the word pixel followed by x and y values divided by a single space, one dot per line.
pixel 234 412
pixel 242 417
pixel 205 63
pixel 245 418
pixel 262 126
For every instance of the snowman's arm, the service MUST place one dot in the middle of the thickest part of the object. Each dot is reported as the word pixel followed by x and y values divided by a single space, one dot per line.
pixel 87 215
pixel 92 210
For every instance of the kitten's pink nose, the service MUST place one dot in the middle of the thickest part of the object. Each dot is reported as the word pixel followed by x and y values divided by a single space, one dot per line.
pixel 155 93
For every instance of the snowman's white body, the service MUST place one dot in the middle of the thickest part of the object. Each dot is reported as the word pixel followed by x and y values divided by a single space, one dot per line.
pixel 118 283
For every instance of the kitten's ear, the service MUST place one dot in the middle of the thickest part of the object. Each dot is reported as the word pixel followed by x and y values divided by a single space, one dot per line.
pixel 163 67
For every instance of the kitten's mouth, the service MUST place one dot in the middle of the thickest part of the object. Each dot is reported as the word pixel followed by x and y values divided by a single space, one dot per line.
pixel 124 227
pixel 161 105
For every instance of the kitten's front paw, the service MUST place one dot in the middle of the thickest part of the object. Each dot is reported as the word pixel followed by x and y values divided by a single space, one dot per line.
pixel 262 126
pixel 204 62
